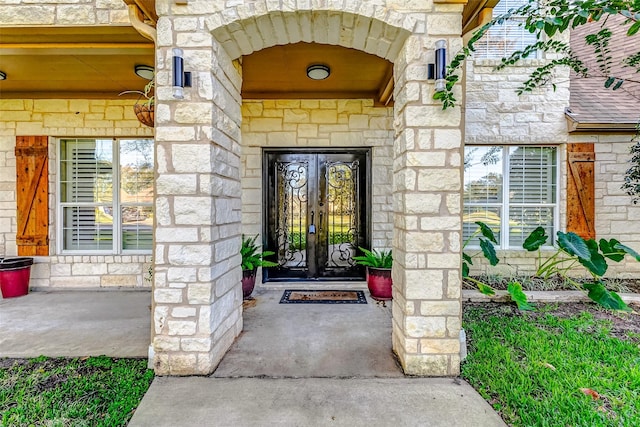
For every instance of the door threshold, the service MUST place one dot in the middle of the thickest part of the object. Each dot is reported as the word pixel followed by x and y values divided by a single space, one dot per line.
pixel 314 285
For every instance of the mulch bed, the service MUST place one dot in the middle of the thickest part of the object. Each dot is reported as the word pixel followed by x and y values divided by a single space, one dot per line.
pixel 552 284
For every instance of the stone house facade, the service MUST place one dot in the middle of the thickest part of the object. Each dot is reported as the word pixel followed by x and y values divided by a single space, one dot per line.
pixel 209 151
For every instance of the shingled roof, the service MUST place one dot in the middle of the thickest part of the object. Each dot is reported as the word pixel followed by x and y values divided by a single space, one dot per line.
pixel 591 105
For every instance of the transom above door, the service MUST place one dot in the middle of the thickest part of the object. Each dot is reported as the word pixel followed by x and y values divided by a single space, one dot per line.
pixel 316 213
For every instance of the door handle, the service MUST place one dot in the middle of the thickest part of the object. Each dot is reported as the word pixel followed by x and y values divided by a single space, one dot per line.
pixel 312 226
pixel 320 222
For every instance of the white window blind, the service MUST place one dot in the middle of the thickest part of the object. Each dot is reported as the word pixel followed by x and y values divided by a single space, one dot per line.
pixel 94 217
pixel 502 40
pixel 516 183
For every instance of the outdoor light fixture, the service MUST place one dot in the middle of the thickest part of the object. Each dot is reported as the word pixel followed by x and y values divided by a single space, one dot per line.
pixel 144 71
pixel 3 76
pixel 318 71
pixel 438 71
pixel 181 79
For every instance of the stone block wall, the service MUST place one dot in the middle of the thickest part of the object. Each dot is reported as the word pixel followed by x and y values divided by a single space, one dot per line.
pixel 63 12
pixel 616 216
pixel 495 114
pixel 65 118
pixel 344 123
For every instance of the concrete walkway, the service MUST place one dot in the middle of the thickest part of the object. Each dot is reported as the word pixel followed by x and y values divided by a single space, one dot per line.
pixel 312 365
pixel 353 402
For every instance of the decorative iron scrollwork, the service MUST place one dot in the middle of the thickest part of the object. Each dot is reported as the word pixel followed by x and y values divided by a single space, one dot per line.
pixel 342 212
pixel 291 202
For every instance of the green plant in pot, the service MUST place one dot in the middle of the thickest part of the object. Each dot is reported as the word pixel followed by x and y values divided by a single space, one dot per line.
pixel 378 264
pixel 252 258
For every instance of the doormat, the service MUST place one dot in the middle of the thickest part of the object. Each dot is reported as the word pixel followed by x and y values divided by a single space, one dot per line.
pixel 291 296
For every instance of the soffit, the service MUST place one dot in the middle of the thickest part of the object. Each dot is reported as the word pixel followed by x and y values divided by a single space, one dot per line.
pixel 71 62
pixel 477 13
pixel 280 72
pixel 98 62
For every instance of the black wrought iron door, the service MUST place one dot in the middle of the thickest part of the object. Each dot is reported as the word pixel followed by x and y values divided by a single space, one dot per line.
pixel 316 213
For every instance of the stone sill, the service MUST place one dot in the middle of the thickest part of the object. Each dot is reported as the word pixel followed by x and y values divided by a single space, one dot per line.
pixel 471 295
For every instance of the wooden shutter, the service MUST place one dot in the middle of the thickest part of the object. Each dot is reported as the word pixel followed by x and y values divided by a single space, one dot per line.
pixel 32 179
pixel 581 190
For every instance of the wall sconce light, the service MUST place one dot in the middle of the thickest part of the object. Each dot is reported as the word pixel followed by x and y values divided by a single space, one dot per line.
pixel 145 71
pixel 3 75
pixel 438 71
pixel 318 71
pixel 181 78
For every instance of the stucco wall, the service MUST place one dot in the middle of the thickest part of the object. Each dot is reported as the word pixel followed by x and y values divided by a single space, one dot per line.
pixel 65 118
pixel 318 124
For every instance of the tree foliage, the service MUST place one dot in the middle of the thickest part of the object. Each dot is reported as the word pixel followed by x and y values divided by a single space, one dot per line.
pixel 546 19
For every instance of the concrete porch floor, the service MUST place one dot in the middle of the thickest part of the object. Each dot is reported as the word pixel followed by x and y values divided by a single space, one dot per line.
pixel 76 323
pixel 293 365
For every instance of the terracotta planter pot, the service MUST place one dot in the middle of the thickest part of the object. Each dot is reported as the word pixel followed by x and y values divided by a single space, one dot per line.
pixel 379 283
pixel 248 282
pixel 145 114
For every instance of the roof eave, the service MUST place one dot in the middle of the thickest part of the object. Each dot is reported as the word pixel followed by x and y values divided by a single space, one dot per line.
pixel 574 125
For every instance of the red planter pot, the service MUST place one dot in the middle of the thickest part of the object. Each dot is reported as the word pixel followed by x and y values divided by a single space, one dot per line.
pixel 248 282
pixel 14 276
pixel 379 283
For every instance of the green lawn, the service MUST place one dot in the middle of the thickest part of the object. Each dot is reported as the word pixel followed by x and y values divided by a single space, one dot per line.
pixel 542 370
pixel 95 391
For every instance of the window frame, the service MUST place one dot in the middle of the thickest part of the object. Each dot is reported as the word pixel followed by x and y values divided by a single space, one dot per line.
pixel 505 205
pixel 501 31
pixel 116 203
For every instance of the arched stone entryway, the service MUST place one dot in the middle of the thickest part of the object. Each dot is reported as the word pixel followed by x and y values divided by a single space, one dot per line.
pixel 197 297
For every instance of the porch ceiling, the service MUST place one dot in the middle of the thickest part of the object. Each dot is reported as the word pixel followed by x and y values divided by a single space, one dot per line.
pixel 71 62
pixel 280 72
pixel 98 62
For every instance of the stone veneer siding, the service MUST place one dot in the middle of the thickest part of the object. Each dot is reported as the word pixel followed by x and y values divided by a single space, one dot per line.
pixel 197 297
pixel 319 124
pixel 63 12
pixel 65 118
pixel 496 115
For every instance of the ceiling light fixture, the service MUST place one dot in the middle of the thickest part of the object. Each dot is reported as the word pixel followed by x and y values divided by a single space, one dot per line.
pixel 144 71
pixel 318 71
pixel 3 76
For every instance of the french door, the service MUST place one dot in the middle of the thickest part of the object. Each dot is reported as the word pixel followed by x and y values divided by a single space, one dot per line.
pixel 316 213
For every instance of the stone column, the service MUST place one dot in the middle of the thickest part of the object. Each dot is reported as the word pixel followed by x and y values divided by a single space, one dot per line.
pixel 197 297
pixel 427 225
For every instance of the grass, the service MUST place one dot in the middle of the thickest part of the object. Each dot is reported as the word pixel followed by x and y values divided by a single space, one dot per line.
pixel 544 370
pixel 94 391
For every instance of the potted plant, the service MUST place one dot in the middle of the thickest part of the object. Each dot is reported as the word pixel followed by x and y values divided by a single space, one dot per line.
pixel 145 111
pixel 252 258
pixel 378 266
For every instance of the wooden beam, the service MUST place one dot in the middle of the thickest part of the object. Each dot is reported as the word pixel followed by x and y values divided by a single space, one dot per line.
pixel 77 45
pixel 309 95
pixel 385 95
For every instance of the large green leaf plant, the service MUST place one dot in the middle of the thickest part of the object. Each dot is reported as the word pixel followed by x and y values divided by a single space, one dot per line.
pixel 571 251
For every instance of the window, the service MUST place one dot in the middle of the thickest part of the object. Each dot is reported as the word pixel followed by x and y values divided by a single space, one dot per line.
pixel 94 217
pixel 511 189
pixel 502 40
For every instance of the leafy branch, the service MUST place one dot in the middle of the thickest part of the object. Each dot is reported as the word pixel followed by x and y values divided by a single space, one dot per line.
pixel 548 19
